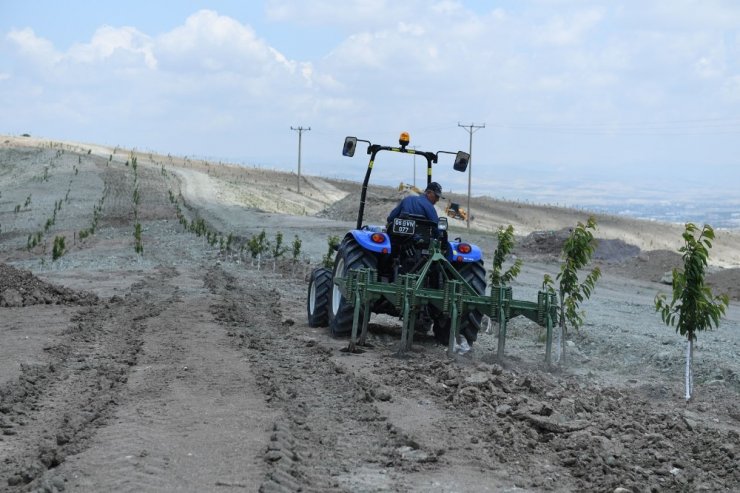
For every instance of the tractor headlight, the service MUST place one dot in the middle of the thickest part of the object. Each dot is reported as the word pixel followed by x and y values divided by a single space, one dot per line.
pixel 442 225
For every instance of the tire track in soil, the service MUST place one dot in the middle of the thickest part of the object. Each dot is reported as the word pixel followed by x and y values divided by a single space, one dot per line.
pixel 192 417
pixel 52 410
pixel 330 436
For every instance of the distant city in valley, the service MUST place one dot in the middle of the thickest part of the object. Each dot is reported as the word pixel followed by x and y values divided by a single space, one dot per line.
pixel 717 215
pixel 701 202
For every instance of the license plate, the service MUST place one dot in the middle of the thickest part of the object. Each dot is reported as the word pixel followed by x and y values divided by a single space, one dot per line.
pixel 404 226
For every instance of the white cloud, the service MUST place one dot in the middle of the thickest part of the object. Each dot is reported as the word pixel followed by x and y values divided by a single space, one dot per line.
pixel 731 90
pixel 32 47
pixel 212 42
pixel 569 30
pixel 693 14
pixel 109 42
pixel 344 13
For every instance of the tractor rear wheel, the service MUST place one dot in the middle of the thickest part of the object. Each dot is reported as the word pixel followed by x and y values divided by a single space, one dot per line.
pixel 474 274
pixel 319 290
pixel 349 256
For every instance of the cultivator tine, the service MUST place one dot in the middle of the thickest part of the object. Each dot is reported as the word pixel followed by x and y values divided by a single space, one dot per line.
pixel 549 301
pixel 452 299
pixel 408 313
pixel 502 299
pixel 365 321
pixel 358 284
pixel 355 319
pixel 405 328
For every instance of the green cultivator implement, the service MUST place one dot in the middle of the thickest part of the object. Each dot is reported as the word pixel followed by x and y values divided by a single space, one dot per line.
pixel 456 297
pixel 410 268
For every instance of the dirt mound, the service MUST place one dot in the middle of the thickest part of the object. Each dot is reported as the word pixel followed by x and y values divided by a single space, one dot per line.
pixel 21 288
pixel 656 264
pixel 547 243
pixel 615 251
pixel 550 244
pixel 379 202
pixel 650 266
pixel 725 281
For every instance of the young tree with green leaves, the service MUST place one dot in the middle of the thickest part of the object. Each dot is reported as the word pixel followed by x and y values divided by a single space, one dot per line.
pixel 328 259
pixel 58 249
pixel 138 243
pixel 693 307
pixel 576 254
pixel 278 249
pixel 504 247
pixel 500 278
pixel 297 243
pixel 258 245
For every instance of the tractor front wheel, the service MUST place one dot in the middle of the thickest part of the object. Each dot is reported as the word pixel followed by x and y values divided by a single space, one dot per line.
pixel 349 256
pixel 317 304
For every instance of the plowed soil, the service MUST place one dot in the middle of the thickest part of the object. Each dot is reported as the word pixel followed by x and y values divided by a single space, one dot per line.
pixel 191 366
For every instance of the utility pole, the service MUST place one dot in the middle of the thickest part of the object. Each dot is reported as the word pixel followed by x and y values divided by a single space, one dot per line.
pixel 471 129
pixel 300 131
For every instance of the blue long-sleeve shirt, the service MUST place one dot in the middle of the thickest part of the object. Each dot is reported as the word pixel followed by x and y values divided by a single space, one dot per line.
pixel 415 204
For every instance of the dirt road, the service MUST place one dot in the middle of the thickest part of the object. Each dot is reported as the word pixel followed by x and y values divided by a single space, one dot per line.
pixel 188 368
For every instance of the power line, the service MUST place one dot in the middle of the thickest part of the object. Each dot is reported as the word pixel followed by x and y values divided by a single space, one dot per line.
pixel 471 129
pixel 300 131
pixel 697 126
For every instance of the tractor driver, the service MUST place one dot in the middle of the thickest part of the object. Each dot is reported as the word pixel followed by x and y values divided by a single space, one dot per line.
pixel 422 205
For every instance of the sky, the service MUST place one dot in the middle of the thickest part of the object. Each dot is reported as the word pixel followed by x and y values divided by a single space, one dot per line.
pixel 583 102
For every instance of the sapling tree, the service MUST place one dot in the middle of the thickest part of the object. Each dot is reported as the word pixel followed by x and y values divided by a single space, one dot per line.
pixel 693 307
pixel 504 247
pixel 296 248
pixel 577 251
pixel 138 243
pixel 328 259
pixel 58 248
pixel 278 249
pixel 258 245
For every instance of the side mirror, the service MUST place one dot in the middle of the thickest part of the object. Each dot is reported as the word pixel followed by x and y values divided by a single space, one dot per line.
pixel 461 161
pixel 442 224
pixel 350 144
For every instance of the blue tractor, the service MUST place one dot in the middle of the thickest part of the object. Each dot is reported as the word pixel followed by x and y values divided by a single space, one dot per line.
pixel 391 250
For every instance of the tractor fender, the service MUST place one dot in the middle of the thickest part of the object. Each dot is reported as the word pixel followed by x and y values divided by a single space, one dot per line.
pixel 363 238
pixel 455 256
